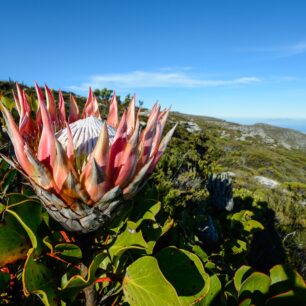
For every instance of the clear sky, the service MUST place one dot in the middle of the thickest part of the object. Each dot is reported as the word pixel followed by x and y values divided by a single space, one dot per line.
pixel 238 58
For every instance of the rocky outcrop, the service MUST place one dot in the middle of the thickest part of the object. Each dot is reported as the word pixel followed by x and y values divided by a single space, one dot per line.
pixel 266 181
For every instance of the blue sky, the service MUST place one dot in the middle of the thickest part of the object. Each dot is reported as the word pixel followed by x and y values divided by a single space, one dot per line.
pixel 218 58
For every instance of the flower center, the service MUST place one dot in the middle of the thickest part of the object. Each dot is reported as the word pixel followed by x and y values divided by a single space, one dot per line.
pixel 85 133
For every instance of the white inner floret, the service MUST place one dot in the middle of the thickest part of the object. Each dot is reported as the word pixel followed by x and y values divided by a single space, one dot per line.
pixel 85 133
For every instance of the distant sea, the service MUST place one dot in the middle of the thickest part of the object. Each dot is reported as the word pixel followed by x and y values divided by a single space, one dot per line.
pixel 295 124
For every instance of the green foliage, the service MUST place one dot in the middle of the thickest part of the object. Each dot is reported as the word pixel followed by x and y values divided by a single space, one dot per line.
pixel 182 172
pixel 179 276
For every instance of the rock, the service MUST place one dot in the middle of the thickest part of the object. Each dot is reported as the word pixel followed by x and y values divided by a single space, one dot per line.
pixel 229 174
pixel 191 127
pixel 303 203
pixel 266 181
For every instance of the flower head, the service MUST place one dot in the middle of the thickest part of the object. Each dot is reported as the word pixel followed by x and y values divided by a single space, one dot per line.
pixel 81 166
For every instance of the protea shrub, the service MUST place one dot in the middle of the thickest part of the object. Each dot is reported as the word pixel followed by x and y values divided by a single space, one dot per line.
pixel 82 167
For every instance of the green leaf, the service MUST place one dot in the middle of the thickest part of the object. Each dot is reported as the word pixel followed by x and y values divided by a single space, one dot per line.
pixel 167 226
pixel 256 287
pixel 4 280
pixel 150 213
pixel 15 198
pixel 7 179
pixel 242 216
pixel 184 270
pixel 28 213
pixel 7 102
pixel 76 283
pixel 25 227
pixel 200 253
pixel 2 207
pixel 280 273
pixel 68 251
pixel 285 299
pixel 129 239
pixel 241 275
pixel 14 242
pixel 151 233
pixel 38 279
pixel 48 243
pixel 120 220
pixel 252 225
pixel 212 267
pixel 214 295
pixel 239 247
pixel 145 285
pixel 283 281
pixel 145 210
pixel 246 302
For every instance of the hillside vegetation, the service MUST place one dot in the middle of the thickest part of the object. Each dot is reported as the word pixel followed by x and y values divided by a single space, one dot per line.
pixel 249 152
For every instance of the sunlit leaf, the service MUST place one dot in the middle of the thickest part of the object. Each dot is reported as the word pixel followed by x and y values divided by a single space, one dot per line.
pixel 241 275
pixel 214 295
pixel 145 285
pixel 129 239
pixel 256 287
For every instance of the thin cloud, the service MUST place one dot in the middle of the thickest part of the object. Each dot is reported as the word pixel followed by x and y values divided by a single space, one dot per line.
pixel 298 48
pixel 279 51
pixel 142 79
pixel 175 68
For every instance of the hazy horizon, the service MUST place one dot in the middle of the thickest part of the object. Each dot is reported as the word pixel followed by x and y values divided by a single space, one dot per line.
pixel 290 123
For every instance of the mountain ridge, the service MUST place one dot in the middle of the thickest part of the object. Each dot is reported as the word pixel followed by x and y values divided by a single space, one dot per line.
pixel 270 134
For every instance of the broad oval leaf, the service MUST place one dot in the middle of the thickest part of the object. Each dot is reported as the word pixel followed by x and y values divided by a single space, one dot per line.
pixel 256 287
pixel 145 285
pixel 241 275
pixel 287 286
pixel 38 279
pixel 28 212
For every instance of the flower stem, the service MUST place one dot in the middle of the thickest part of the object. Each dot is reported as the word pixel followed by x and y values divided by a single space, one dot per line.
pixel 85 243
pixel 89 292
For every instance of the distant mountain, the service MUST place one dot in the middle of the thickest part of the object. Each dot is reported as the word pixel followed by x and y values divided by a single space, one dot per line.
pixel 269 134
pixel 294 124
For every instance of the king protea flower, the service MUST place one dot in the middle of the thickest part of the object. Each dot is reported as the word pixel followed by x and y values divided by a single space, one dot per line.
pixel 83 167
